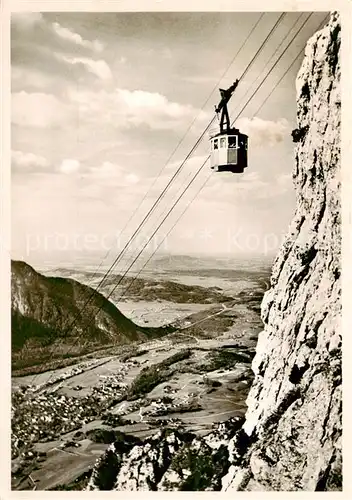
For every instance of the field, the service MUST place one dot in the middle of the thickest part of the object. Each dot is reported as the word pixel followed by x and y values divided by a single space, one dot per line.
pixel 199 375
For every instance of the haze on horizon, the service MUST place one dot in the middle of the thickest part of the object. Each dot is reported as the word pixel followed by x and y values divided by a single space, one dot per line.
pixel 99 103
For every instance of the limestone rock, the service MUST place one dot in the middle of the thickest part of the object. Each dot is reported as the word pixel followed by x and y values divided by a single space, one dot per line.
pixel 291 437
pixel 294 405
pixel 171 460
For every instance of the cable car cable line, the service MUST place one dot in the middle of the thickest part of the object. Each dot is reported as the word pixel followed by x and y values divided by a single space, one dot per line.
pixel 227 94
pixel 288 69
pixel 180 141
pixel 259 86
pixel 197 173
pixel 165 189
pixel 175 174
pixel 167 234
pixel 157 229
pixel 229 147
pixel 272 56
pixel 278 21
pixel 273 66
pixel 202 186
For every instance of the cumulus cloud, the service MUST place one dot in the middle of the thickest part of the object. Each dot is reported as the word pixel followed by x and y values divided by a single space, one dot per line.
pixel 105 170
pixel 106 174
pixel 99 68
pixel 263 132
pixel 134 108
pixel 21 78
pixel 112 173
pixel 139 100
pixel 26 20
pixel 233 188
pixel 69 166
pixel 38 110
pixel 242 190
pixel 192 164
pixel 132 178
pixel 73 37
pixel 28 162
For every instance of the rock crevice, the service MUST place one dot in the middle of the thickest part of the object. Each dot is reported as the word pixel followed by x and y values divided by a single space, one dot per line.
pixel 294 406
pixel 291 437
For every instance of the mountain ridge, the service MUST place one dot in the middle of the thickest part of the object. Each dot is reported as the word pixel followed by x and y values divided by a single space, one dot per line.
pixel 54 314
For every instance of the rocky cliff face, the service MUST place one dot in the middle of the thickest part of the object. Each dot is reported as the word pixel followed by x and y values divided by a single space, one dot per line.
pixel 291 437
pixel 171 460
pixel 294 406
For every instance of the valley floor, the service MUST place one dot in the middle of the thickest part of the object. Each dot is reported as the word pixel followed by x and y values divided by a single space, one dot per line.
pixel 63 420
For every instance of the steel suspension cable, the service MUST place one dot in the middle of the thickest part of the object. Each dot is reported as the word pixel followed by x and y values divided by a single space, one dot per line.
pixel 176 173
pixel 167 234
pixel 271 57
pixel 173 153
pixel 288 69
pixel 273 66
pixel 278 21
pixel 113 265
pixel 259 86
pixel 170 210
pixel 159 226
pixel 193 178
pixel 176 148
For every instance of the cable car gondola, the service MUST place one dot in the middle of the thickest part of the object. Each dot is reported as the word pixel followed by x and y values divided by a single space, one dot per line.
pixel 229 146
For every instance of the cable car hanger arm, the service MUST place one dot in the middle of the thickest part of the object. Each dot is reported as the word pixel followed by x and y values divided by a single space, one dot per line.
pixel 222 106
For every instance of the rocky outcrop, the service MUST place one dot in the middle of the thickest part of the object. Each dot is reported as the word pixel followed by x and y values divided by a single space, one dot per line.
pixel 48 312
pixel 291 437
pixel 293 420
pixel 171 460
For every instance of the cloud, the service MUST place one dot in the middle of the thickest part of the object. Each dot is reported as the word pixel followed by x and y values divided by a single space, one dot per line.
pixel 99 68
pixel 106 174
pixel 73 37
pixel 35 43
pixel 141 101
pixel 69 166
pixel 233 188
pixel 245 190
pixel 26 20
pixel 21 78
pixel 38 110
pixel 263 132
pixel 109 172
pixel 166 53
pixel 285 181
pixel 105 170
pixel 194 163
pixel 132 178
pixel 28 162
pixel 122 107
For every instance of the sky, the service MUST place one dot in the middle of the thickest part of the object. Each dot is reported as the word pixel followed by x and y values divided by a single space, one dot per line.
pixel 105 108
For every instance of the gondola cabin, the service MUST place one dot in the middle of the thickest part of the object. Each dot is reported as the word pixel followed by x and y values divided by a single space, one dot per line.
pixel 229 151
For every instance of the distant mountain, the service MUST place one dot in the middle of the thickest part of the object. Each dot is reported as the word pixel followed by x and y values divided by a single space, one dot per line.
pixel 51 315
pixel 175 262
